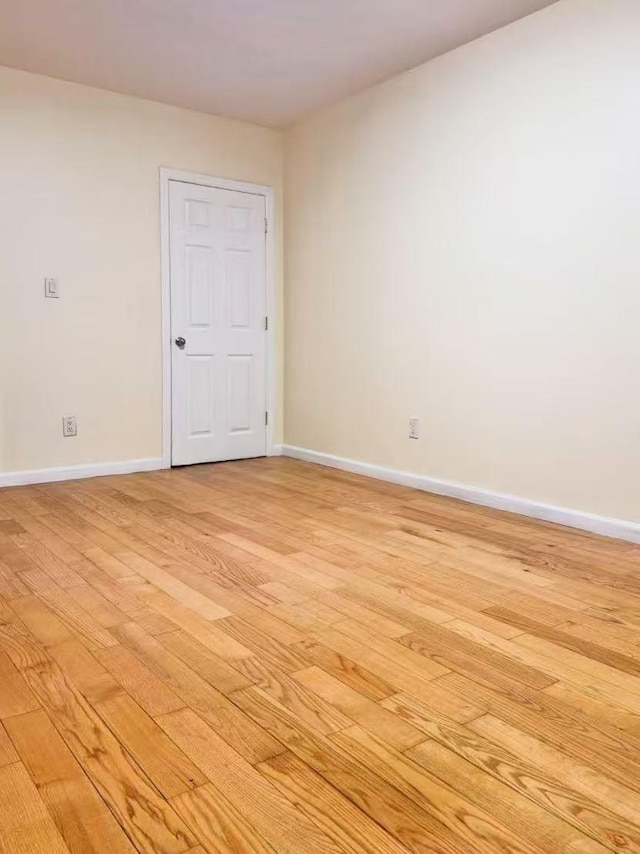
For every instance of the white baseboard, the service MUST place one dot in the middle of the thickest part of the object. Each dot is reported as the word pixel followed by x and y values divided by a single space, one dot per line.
pixel 20 478
pixel 275 451
pixel 607 527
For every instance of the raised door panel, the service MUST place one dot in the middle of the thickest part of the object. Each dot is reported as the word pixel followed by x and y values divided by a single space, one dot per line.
pixel 239 271
pixel 240 368
pixel 200 396
pixel 200 283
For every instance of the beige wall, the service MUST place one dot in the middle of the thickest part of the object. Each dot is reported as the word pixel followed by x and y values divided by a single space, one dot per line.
pixel 463 245
pixel 79 200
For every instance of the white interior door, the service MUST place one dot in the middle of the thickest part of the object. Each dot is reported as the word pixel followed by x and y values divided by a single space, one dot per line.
pixel 218 310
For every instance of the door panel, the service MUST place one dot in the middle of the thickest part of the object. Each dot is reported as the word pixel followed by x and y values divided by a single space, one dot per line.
pixel 240 385
pixel 199 262
pixel 218 305
pixel 238 276
pixel 200 379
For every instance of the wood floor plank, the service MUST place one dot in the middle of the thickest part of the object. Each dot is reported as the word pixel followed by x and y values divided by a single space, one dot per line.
pixel 178 590
pixel 599 746
pixel 306 703
pixel 163 763
pixel 307 616
pixel 346 670
pixel 474 825
pixel 611 680
pixel 410 678
pixel 541 788
pixel 85 671
pixel 25 825
pixel 149 821
pixel 357 707
pixel 286 658
pixel 209 635
pixel 269 812
pixel 104 612
pixel 206 664
pixel 150 692
pixel 592 650
pixel 83 819
pixel 373 795
pixel 454 651
pixel 8 753
pixel 351 829
pixel 11 587
pixel 250 741
pixel 595 707
pixel 16 697
pixel 272 656
pixel 352 609
pixel 46 560
pixel 43 624
pixel 62 604
pixel 599 680
pixel 615 796
pixel 220 826
pixel 284 593
pixel 21 646
pixel 400 654
pixel 544 830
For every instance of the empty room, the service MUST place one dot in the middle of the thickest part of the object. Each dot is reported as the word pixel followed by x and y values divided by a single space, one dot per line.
pixel 319 426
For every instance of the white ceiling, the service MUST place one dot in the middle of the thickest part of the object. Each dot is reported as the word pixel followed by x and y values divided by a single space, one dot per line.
pixel 267 61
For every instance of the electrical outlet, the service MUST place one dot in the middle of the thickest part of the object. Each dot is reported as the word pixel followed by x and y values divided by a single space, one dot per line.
pixel 414 428
pixel 51 288
pixel 69 425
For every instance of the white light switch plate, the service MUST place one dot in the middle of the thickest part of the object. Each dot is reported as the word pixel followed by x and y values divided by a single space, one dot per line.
pixel 51 288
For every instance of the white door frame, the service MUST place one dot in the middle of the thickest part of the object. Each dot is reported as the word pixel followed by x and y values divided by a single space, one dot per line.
pixel 167 175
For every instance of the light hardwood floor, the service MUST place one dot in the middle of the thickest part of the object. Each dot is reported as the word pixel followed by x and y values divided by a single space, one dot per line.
pixel 271 656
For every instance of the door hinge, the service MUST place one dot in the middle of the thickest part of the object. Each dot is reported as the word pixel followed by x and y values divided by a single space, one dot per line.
pixel 266 225
pixel 266 419
pixel 266 324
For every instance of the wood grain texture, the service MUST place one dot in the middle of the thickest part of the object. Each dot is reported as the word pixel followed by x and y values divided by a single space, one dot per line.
pixel 150 821
pixel 15 696
pixel 220 826
pixel 350 828
pixel 270 656
pixel 8 753
pixel 83 818
pixel 163 763
pixel 268 811
pixel 25 823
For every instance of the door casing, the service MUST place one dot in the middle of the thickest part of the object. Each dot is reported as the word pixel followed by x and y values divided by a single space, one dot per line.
pixel 167 175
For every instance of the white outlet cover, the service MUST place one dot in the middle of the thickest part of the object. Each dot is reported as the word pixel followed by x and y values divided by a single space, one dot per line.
pixel 69 426
pixel 414 428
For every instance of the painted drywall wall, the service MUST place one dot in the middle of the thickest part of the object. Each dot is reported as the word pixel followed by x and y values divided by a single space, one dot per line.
pixel 463 247
pixel 79 200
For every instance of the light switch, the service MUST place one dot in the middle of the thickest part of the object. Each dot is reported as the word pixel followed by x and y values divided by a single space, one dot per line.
pixel 51 288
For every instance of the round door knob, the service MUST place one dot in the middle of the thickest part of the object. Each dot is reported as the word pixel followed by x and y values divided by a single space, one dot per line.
pixel 180 342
